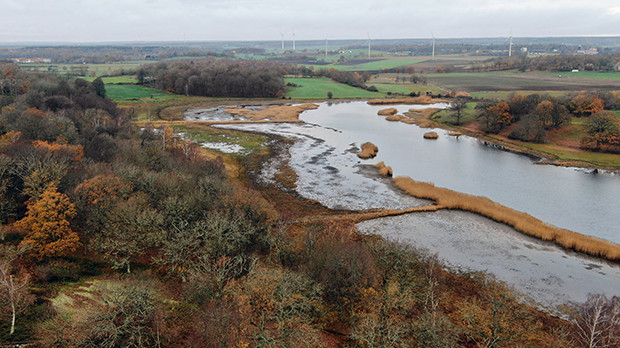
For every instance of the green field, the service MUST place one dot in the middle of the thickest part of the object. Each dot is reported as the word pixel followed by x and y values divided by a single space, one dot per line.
pixel 404 88
pixel 131 92
pixel 382 64
pixel 92 70
pixel 468 115
pixel 317 88
pixel 115 80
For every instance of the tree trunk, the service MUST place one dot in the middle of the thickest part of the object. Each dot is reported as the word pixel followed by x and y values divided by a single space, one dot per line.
pixel 13 319
pixel 128 267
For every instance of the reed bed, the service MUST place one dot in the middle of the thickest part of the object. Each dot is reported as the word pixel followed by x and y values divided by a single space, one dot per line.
pixel 425 99
pixel 273 113
pixel 431 135
pixel 384 170
pixel 369 150
pixel 387 112
pixel 520 221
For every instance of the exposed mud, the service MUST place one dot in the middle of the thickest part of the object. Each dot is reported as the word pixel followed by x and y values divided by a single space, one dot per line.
pixel 548 275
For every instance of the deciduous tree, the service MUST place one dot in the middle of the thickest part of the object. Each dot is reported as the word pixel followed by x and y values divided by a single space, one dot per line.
pixel 47 226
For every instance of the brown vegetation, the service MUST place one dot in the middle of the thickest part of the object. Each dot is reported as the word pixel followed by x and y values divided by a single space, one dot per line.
pixel 521 222
pixel 422 118
pixel 369 150
pixel 431 135
pixel 387 112
pixel 383 169
pixel 274 113
pixel 425 99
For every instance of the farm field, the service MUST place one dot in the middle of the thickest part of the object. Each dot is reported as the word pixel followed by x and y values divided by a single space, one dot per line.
pixel 115 80
pixel 373 65
pixel 131 92
pixel 92 70
pixel 480 82
pixel 317 88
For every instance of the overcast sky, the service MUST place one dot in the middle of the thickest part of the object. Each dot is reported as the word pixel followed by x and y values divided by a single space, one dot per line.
pixel 206 20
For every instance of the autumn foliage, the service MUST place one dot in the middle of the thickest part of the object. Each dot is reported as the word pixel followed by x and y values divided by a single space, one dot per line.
pixel 47 226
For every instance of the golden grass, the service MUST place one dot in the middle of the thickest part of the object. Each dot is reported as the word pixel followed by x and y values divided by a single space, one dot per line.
pixel 273 113
pixel 387 112
pixel 520 221
pixel 423 117
pixel 431 135
pixel 383 169
pixel 455 134
pixel 425 99
pixel 369 150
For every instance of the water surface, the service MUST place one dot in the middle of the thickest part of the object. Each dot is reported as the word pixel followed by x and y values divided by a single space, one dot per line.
pixel 565 197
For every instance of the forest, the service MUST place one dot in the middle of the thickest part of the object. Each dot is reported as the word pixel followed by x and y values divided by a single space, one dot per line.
pixel 115 236
pixel 530 117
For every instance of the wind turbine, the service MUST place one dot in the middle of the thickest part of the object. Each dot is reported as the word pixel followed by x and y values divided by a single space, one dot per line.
pixel 368 45
pixel 510 47
pixel 282 36
pixel 326 47
pixel 293 41
pixel 433 35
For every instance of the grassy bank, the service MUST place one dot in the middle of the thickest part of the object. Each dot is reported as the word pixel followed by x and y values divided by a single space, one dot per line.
pixel 520 221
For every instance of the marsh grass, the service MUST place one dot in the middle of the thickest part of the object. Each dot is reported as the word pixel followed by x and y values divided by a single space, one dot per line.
pixel 369 150
pixel 387 112
pixel 431 135
pixel 520 221
pixel 425 99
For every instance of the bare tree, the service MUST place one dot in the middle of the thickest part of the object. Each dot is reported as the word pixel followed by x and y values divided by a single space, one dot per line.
pixel 598 321
pixel 14 290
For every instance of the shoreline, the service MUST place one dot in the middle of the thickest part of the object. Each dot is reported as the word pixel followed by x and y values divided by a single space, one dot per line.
pixel 522 222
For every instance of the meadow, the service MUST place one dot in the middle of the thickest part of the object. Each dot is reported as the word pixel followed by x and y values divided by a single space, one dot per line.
pixel 317 88
pixel 134 92
pixel 374 65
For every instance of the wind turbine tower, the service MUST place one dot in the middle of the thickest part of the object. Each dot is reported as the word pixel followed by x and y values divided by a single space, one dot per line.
pixel 325 47
pixel 282 36
pixel 368 45
pixel 433 35
pixel 293 41
pixel 510 46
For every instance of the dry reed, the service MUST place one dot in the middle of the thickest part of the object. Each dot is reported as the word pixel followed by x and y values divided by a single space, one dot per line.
pixel 520 221
pixel 369 150
pixel 387 112
pixel 273 113
pixel 431 135
pixel 425 99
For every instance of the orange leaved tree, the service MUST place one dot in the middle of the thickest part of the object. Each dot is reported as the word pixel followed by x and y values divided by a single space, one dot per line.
pixel 46 225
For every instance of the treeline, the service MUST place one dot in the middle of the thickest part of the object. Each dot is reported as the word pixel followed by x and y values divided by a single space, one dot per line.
pixel 530 117
pixel 216 78
pixel 106 54
pixel 555 63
